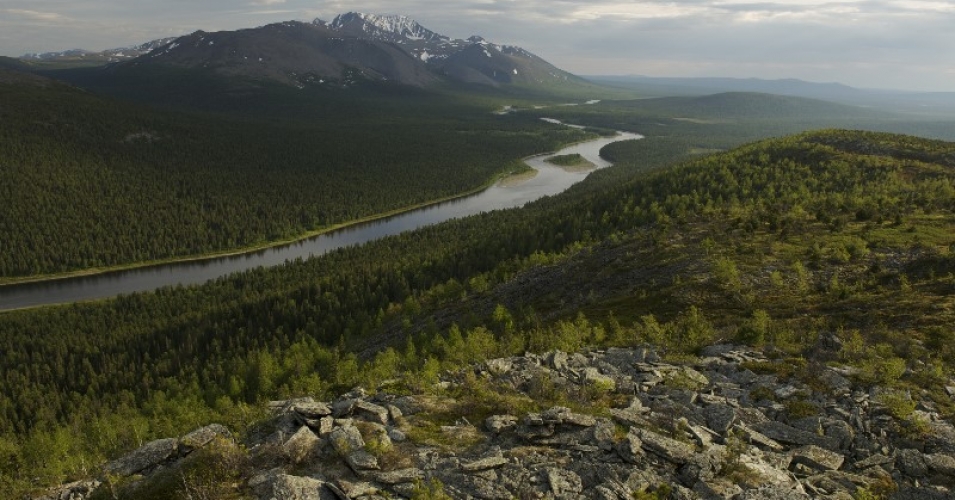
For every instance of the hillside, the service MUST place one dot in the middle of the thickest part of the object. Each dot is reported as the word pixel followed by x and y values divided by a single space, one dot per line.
pixel 822 251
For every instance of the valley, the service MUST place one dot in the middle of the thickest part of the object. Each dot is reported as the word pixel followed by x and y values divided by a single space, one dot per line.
pixel 277 262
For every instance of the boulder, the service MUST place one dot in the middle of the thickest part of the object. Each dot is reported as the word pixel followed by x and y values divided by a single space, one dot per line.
pixel 499 423
pixel 147 456
pixel 720 417
pixel 564 483
pixel 491 462
pixel 791 435
pixel 301 445
pixel 912 463
pixel 674 451
pixel 393 477
pixel 287 487
pixel 203 436
pixel 370 412
pixel 817 458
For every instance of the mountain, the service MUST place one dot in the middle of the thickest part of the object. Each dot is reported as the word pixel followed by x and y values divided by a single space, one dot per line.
pixel 105 56
pixel 354 47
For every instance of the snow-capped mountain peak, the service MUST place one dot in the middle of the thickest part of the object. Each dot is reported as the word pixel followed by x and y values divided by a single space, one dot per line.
pixel 390 28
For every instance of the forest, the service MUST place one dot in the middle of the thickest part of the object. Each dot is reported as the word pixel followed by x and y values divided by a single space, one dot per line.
pixel 770 244
pixel 91 182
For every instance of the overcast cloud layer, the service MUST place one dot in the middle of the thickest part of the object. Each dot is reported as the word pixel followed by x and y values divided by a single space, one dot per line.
pixel 904 44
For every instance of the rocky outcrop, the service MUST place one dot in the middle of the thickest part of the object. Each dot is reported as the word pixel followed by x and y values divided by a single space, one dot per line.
pixel 627 422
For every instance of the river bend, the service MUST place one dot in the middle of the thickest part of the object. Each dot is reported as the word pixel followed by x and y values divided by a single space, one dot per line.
pixel 549 180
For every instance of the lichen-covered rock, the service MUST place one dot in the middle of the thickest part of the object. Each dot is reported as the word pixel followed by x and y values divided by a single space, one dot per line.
pixel 149 455
pixel 301 445
pixel 287 487
pixel 499 423
pixel 564 483
pixel 675 451
pixel 720 417
pixel 817 458
pixel 203 436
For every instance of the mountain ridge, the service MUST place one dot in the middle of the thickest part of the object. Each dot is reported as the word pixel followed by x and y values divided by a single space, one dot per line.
pixel 352 48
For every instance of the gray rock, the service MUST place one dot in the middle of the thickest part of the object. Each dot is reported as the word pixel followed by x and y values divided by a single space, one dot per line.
pixel 772 492
pixel 371 412
pixel 311 409
pixel 149 455
pixel 786 392
pixel 592 376
pixel 397 435
pixel 912 463
pixel 346 439
pixel 837 384
pixel 817 458
pixel 343 407
pixel 499 423
pixel 564 483
pixel 361 460
pixel 286 487
pixel 409 405
pixel 395 413
pixel 632 415
pixel 355 490
pixel 349 444
pixel 675 451
pixel 500 366
pixel 790 435
pixel 720 417
pixel 941 463
pixel 486 463
pixel 703 467
pixel 301 445
pixel 841 431
pixel 758 438
pixel 203 436
pixel 409 475
pixel 324 426
pixel 874 460
pixel 631 448
pixel 557 360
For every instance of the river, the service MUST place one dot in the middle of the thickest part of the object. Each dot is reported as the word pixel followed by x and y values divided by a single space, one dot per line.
pixel 549 180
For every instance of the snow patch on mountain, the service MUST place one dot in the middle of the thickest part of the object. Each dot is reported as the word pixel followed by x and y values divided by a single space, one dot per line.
pixel 400 28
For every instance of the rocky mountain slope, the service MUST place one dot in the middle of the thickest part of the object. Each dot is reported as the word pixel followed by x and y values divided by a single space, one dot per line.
pixel 612 424
pixel 355 47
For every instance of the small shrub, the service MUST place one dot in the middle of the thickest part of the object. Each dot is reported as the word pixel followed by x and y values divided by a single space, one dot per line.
pixel 800 408
pixel 431 490
pixel 761 393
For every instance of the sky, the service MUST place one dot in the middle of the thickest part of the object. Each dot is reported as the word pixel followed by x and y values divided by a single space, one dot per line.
pixel 895 44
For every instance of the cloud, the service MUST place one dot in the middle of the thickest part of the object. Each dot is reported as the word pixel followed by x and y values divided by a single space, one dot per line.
pixel 267 2
pixel 32 15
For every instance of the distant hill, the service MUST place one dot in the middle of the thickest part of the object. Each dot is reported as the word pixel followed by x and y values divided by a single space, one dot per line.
pixel 13 71
pixel 749 105
pixel 938 104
